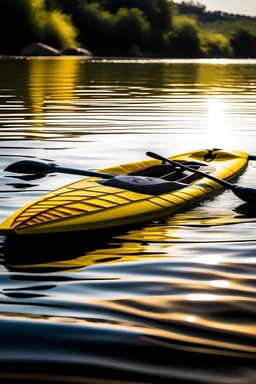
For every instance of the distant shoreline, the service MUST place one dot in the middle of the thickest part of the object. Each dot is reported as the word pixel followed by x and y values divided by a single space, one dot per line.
pixel 134 59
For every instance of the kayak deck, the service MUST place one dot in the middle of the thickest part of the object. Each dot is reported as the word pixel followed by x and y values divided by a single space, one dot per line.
pixel 141 191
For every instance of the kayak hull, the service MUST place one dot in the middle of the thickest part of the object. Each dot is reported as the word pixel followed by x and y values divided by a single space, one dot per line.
pixel 89 205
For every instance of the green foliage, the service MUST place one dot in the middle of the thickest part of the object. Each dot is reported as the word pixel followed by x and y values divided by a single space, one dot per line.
pixel 19 21
pixel 51 5
pixel 59 31
pixel 228 28
pixel 131 27
pixel 185 41
pixel 215 45
pixel 191 8
pixel 107 33
pixel 27 21
pixel 113 27
pixel 158 12
pixel 95 27
pixel 244 43
pixel 199 10
pixel 218 31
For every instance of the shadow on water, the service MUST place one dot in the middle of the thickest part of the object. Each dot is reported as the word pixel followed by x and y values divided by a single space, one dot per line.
pixel 43 249
pixel 76 250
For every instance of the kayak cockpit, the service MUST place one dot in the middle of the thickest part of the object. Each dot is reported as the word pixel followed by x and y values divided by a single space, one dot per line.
pixel 173 173
pixel 157 179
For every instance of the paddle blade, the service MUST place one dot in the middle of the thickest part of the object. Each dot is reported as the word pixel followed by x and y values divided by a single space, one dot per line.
pixel 246 194
pixel 155 156
pixel 30 167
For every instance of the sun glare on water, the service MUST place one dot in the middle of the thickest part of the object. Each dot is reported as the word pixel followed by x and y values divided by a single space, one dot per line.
pixel 217 124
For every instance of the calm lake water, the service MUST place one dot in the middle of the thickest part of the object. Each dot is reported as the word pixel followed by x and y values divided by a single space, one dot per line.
pixel 169 301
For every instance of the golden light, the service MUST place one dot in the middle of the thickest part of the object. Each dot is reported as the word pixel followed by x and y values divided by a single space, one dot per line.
pixel 218 126
pixel 201 297
pixel 209 259
pixel 219 283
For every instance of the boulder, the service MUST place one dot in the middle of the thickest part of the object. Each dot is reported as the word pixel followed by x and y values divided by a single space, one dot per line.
pixel 39 49
pixel 75 51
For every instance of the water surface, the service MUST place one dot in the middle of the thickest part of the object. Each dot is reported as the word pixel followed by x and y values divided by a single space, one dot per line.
pixel 171 300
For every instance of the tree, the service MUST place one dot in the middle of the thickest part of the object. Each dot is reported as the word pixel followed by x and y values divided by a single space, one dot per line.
pixel 27 21
pixel 19 21
pixel 158 12
pixel 216 45
pixel 131 27
pixel 185 40
pixel 243 43
pixel 191 7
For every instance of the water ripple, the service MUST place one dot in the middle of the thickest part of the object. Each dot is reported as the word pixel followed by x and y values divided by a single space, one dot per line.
pixel 172 300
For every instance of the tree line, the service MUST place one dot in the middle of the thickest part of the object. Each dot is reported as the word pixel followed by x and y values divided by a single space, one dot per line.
pixel 151 28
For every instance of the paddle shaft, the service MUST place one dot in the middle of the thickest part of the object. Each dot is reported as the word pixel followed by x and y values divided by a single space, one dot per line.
pixel 73 171
pixel 40 168
pixel 185 167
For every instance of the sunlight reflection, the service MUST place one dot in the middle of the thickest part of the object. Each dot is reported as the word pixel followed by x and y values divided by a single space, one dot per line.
pixel 48 82
pixel 201 297
pixel 154 233
pixel 218 126
pixel 210 259
pixel 219 283
pixel 191 319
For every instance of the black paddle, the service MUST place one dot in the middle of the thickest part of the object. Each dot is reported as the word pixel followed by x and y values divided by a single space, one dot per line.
pixel 246 194
pixel 40 168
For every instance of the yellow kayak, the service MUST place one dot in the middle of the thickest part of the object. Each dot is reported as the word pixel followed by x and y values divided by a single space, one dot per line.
pixel 138 192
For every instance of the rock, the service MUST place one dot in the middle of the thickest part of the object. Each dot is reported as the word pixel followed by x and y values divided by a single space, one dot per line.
pixel 39 49
pixel 74 51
